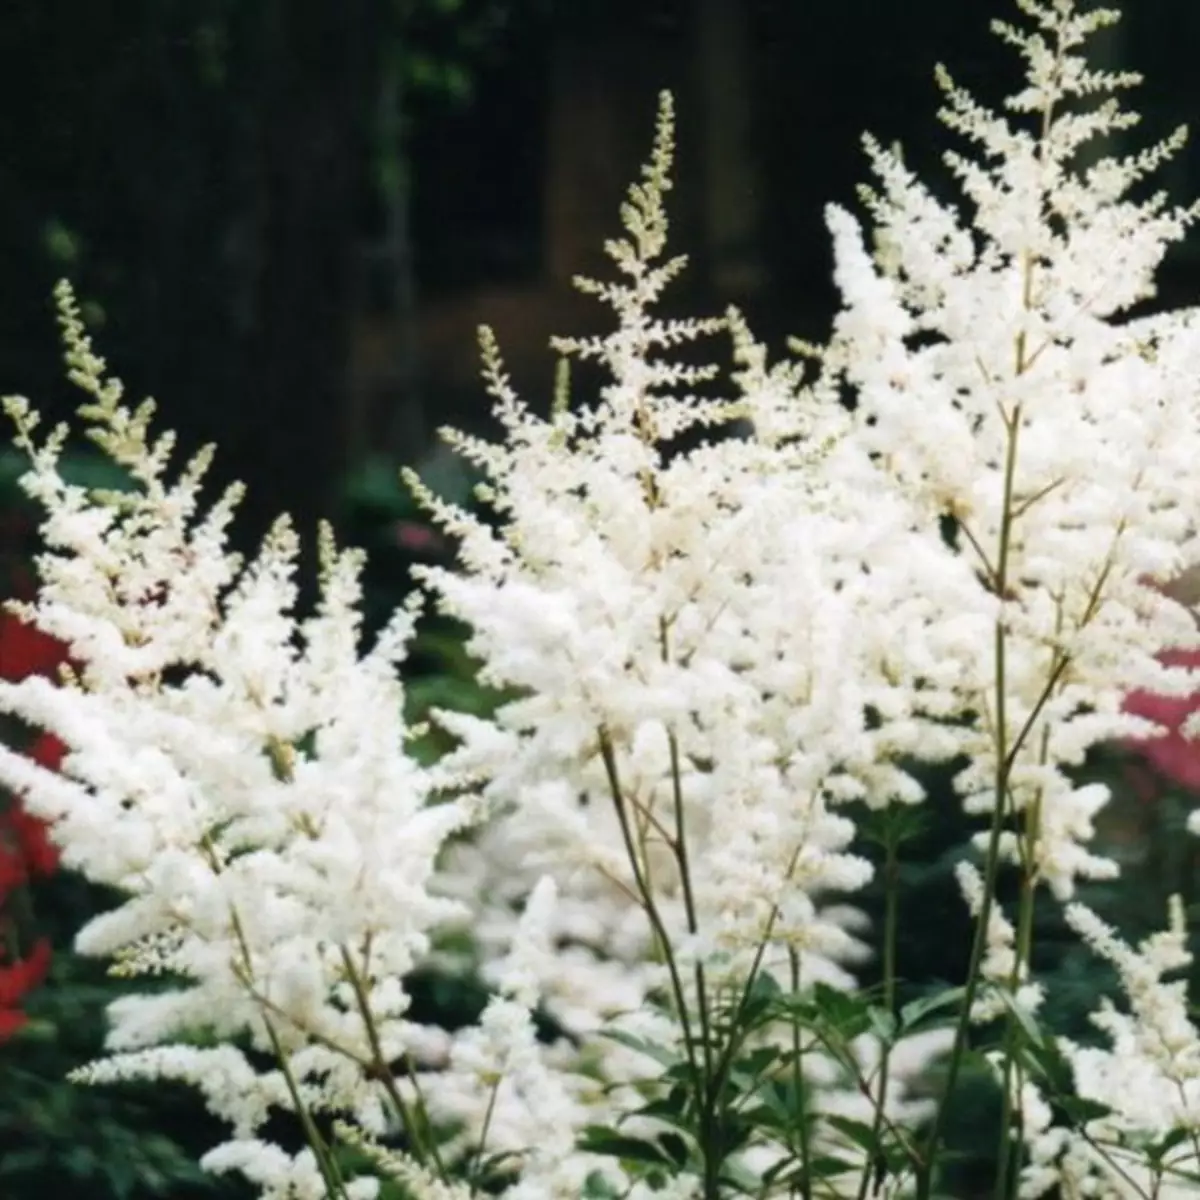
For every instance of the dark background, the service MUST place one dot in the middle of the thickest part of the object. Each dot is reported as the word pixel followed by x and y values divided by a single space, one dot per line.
pixel 286 217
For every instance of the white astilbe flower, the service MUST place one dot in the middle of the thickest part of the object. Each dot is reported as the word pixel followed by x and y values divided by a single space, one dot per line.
pixel 703 641
pixel 704 647
pixel 528 1096
pixel 240 776
pixel 1151 1075
pixel 999 390
pixel 283 1176
pixel 1146 1080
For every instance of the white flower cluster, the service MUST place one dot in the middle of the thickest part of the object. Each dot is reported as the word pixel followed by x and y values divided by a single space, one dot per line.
pixel 241 777
pixel 731 623
pixel 1145 1083
pixel 704 641
pixel 998 387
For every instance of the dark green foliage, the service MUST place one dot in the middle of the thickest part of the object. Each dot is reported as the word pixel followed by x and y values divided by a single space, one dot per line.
pixel 63 1138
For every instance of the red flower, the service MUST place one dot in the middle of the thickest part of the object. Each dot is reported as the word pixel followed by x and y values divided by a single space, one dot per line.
pixel 26 850
pixel 47 751
pixel 13 873
pixel 32 841
pixel 21 976
pixel 25 650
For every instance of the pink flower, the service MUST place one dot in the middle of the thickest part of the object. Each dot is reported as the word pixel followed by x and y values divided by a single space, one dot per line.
pixel 416 538
pixel 1173 756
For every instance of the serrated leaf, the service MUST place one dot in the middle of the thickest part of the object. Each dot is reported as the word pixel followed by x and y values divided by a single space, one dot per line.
pixel 820 1166
pixel 1025 1020
pixel 883 1024
pixel 599 1139
pixel 916 1011
pixel 859 1132
pixel 662 1055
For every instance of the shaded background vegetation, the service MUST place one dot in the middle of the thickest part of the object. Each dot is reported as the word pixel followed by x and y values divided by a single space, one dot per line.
pixel 285 218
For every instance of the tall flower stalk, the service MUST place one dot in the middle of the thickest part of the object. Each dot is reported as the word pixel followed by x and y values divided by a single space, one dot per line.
pixel 1048 435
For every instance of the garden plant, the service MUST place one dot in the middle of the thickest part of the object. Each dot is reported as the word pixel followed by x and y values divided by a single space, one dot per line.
pixel 735 619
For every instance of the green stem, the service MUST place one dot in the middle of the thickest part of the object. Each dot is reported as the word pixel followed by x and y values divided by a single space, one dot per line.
pixel 1008 1148
pixel 992 856
pixel 891 879
pixel 477 1160
pixel 325 1160
pixel 326 1163
pixel 806 1190
pixel 417 1127
pixel 609 758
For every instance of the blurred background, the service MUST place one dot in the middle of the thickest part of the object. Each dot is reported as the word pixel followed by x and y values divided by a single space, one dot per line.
pixel 286 218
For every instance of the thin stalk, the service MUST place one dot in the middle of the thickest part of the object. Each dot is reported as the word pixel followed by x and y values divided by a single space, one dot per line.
pixel 1008 1149
pixel 419 1132
pixel 326 1163
pixel 991 871
pixel 417 1129
pixel 709 1096
pixel 689 900
pixel 477 1160
pixel 725 1061
pixel 609 758
pixel 806 1192
pixel 891 877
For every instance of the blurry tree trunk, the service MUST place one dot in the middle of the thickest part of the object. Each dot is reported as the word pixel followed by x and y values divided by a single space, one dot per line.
pixel 733 195
pixel 585 159
pixel 385 411
pixel 306 150
pixel 599 134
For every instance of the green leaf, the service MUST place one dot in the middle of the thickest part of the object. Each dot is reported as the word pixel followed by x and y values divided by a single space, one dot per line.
pixel 1024 1019
pixel 789 1173
pixel 672 1109
pixel 1080 1110
pixel 663 1055
pixel 749 1069
pixel 1158 1151
pixel 912 1014
pixel 780 1106
pixel 883 1024
pixel 676 1147
pixel 829 1010
pixel 596 1187
pixel 599 1139
pixel 859 1132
